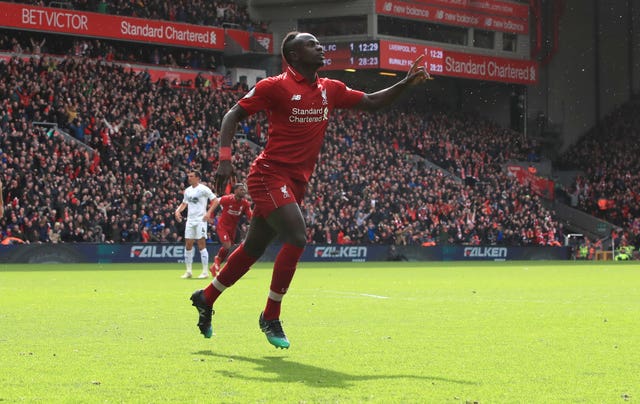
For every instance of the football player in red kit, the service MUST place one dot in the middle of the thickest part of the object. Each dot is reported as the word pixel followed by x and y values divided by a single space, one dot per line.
pixel 233 207
pixel 298 104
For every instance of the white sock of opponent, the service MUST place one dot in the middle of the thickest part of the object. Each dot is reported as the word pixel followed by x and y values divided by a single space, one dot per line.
pixel 188 259
pixel 204 257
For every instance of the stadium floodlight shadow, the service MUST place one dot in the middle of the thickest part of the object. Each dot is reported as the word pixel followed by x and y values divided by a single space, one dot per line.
pixel 287 371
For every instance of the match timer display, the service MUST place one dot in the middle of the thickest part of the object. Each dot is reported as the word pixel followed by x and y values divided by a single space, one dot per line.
pixel 351 55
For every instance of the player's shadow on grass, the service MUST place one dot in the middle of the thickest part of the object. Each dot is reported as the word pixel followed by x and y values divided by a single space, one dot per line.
pixel 287 371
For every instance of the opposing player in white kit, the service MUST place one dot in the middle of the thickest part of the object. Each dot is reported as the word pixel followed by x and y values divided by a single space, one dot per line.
pixel 196 198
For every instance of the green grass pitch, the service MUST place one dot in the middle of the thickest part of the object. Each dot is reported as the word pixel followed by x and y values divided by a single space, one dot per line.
pixel 509 332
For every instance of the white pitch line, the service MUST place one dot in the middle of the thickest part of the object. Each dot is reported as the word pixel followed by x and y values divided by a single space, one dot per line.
pixel 356 294
pixel 374 296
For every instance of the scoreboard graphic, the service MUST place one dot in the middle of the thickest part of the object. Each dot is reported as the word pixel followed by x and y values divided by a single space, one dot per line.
pixel 351 55
pixel 399 56
pixel 382 54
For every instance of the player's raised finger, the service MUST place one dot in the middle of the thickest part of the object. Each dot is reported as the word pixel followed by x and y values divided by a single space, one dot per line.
pixel 416 64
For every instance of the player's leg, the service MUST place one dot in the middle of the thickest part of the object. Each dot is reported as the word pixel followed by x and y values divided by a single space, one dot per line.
pixel 204 256
pixel 226 248
pixel 226 238
pixel 258 238
pixel 290 226
pixel 188 251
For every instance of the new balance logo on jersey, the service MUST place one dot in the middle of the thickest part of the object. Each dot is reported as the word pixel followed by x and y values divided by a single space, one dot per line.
pixel 296 97
pixel 285 192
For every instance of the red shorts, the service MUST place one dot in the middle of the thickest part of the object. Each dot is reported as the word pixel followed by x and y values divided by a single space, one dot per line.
pixel 226 234
pixel 271 188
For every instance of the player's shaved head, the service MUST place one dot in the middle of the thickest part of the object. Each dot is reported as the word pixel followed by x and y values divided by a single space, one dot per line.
pixel 288 44
pixel 292 41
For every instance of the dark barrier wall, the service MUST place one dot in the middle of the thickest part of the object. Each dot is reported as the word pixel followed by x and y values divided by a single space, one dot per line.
pixel 124 253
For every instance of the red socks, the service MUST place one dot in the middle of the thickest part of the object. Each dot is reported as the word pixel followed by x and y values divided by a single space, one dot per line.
pixel 211 293
pixel 283 270
pixel 272 309
pixel 222 254
pixel 237 265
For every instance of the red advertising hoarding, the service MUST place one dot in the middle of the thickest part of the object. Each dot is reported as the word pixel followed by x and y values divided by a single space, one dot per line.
pixel 482 67
pixel 439 62
pixel 459 17
pixel 492 7
pixel 80 23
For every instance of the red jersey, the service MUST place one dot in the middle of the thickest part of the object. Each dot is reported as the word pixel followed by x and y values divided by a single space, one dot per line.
pixel 298 114
pixel 232 209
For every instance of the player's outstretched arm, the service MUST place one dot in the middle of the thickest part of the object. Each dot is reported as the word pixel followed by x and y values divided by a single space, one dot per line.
pixel 228 127
pixel 417 74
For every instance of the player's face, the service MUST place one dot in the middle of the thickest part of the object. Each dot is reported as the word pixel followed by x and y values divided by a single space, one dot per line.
pixel 193 179
pixel 240 192
pixel 309 51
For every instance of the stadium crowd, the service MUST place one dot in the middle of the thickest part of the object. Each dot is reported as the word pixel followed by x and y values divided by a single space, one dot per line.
pixel 610 185
pixel 24 43
pixel 145 135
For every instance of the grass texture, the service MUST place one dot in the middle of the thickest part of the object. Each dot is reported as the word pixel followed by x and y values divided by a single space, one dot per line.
pixel 508 332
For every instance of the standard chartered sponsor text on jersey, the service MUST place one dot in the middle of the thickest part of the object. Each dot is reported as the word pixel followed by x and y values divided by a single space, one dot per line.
pixel 301 115
pixel 308 111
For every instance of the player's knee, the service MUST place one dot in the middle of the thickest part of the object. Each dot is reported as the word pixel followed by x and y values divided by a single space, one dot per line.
pixel 254 249
pixel 297 239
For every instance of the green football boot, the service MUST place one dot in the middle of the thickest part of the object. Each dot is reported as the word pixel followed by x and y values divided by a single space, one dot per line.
pixel 273 330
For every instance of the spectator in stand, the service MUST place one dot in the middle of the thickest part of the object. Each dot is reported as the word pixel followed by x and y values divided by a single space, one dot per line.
pixel 609 186
pixel 134 168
